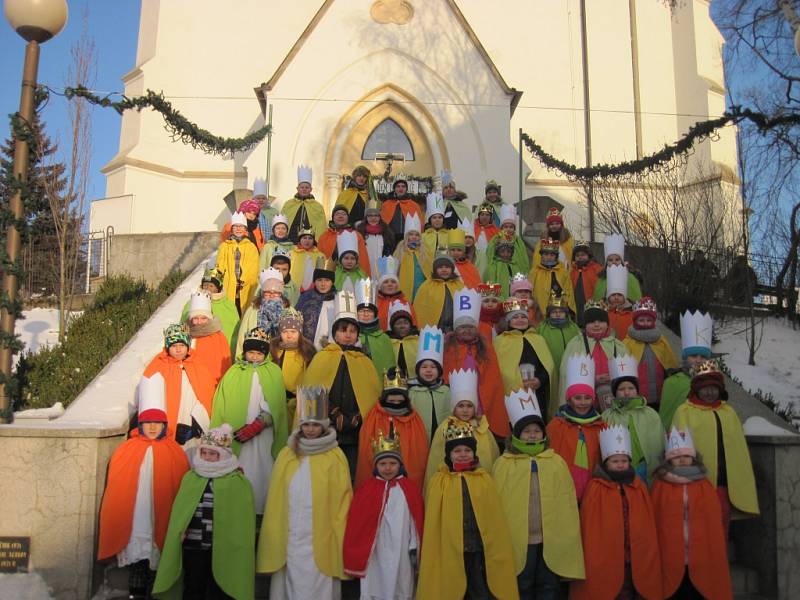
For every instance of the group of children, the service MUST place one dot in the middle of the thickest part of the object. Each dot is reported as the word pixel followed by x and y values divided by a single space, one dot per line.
pixel 379 409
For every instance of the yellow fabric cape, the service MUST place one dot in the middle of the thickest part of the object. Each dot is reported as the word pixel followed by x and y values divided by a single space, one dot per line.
pixel 432 240
pixel 429 302
pixel 741 481
pixel 331 494
pixel 488 452
pixel 561 524
pixel 297 258
pixel 442 575
pixel 314 210
pixel 248 261
pixel 508 346
pixel 347 198
pixel 660 348
pixel 540 279
pixel 367 386
pixel 406 259
pixel 409 343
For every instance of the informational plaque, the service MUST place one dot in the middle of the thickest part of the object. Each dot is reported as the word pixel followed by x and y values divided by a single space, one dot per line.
pixel 15 552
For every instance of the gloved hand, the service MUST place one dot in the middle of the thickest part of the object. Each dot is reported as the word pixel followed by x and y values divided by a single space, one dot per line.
pixel 183 433
pixel 249 431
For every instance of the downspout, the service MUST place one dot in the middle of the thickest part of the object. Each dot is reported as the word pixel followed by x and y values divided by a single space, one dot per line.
pixel 587 118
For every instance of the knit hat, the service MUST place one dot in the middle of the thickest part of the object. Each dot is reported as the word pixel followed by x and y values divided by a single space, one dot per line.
pixel 271 280
pixel 339 207
pixel 519 283
pixel 291 318
pixel 554 216
pixel 176 334
pixel 200 305
pixel 443 258
pixel 325 269
pixel 360 170
pixel 396 181
pixel 218 439
pixel 256 339
pixel 249 206
pixel 214 276
pixel 492 185
pixel 595 310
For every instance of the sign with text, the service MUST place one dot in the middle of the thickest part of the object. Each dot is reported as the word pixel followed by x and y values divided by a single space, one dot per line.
pixel 15 552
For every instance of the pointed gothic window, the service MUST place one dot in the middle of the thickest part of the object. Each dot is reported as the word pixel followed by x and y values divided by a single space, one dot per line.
pixel 388 137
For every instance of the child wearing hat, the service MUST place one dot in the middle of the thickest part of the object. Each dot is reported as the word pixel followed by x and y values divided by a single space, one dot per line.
pixel 539 502
pixel 304 520
pixel 574 432
pixel 433 303
pixel 557 328
pixel 278 240
pixel 409 257
pixel 620 314
pixel 522 289
pixel 404 336
pixel 292 352
pixel 394 412
pixel 371 337
pixel 188 385
pixel 466 549
pixel 435 237
pixel 237 258
pixel 456 210
pixel 316 304
pixel 265 310
pixel 697 332
pixel 485 226
pixel 651 349
pixel 356 194
pixel 491 318
pixel 209 345
pixel 457 247
pixel 397 207
pixel 384 525
pixel 251 210
pixel 304 212
pixel 252 400
pixel 378 237
pixel 348 270
pixel 630 409
pixel 614 248
pixel 583 272
pixel 303 260
pixel 429 395
pixel 210 544
pixel 346 371
pixel 328 242
pixel 711 420
pixel 280 261
pixel 694 553
pixel 463 412
pixel 550 276
pixel 506 252
pixel 221 306
pixel 389 290
pixel 144 475
pixel 557 232
pixel 618 529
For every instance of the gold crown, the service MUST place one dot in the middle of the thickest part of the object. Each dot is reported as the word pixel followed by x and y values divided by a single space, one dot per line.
pixel 457 430
pixel 489 289
pixel 258 333
pixel 581 244
pixel 398 382
pixel 549 245
pixel 486 207
pixel 515 304
pixel 214 273
pixel 598 304
pixel 216 438
pixel 303 231
pixel 706 367
pixel 558 300
pixel 389 443
pixel 325 264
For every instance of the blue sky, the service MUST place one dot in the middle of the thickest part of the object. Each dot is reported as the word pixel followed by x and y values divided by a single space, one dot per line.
pixel 114 24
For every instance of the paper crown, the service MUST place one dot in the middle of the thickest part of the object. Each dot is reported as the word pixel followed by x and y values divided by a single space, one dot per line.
pixel 200 305
pixel 553 214
pixel 219 437
pixel 281 252
pixel 304 174
pixel 312 404
pixel 491 184
pixel 447 178
pixel 467 227
pixel 486 207
pixel 325 264
pixel 489 289
pixel 679 443
pixel 430 345
pixel 214 276
pixel 346 241
pixel 412 223
pixel 520 404
pixel 257 334
pixel 270 280
pixel 394 379
pixel 623 366
pixel 519 282
pixel 365 293
pixel 508 214
pixel 645 306
pixel 456 238
pixel 259 187
pixel 466 308
pixel 238 218
pixel 435 204
pixel 457 429
pixel 386 445
pixel 617 280
pixel 582 245
pixel 305 231
pixel 707 367
pixel 387 268
pixel 615 440
pixel 697 331
pixel 152 399
pixel 279 218
pixel 345 307
pixel 513 305
pixel 463 386
pixel 556 300
pixel 176 334
pixel 291 318
pixel 614 243
pixel 596 305
pixel 399 309
pixel 549 245
pixel 580 375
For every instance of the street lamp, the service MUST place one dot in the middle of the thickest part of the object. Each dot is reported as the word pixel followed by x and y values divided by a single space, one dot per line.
pixel 36 21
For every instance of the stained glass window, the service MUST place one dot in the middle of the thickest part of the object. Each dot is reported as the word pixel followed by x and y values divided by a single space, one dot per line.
pixel 388 137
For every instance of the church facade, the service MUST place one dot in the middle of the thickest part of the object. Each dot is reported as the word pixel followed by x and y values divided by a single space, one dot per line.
pixel 409 86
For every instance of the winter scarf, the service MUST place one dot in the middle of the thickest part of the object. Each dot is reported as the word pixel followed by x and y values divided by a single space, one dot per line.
pixel 681 475
pixel 627 476
pixel 306 447
pixel 568 413
pixel 212 470
pixel 529 448
pixel 646 336
pixel 269 315
pixel 210 327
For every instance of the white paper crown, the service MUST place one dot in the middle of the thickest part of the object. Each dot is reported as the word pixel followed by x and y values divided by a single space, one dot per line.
pixel 412 223
pixel 430 345
pixel 398 307
pixel 614 243
pixel 199 303
pixel 447 178
pixel 617 280
pixel 697 330
pixel 279 218
pixel 435 205
pixel 345 306
pixel 522 403
pixel 580 370
pixel 346 241
pixel 238 218
pixel 151 393
pixel 365 292
pixel 679 443
pixel 463 386
pixel 259 187
pixel 467 227
pixel 269 274
pixel 623 366
pixel 304 174
pixel 312 404
pixel 466 307
pixel 508 213
pixel 615 440
pixel 387 268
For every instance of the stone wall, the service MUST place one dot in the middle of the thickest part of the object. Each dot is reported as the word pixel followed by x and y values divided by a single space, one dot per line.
pixel 152 256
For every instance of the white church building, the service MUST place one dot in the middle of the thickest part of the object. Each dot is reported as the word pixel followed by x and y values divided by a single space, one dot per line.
pixel 440 84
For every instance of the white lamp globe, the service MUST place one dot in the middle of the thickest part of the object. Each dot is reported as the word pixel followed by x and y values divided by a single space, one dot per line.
pixel 36 20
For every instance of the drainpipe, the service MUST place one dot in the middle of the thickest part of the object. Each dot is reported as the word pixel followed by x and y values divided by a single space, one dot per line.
pixel 587 118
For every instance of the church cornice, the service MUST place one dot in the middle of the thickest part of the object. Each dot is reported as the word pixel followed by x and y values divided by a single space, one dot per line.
pixel 128 161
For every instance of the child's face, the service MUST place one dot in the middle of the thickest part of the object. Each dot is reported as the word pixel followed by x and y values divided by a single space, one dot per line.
pixel 436 221
pixel 523 295
pixel 238 230
pixel 394 399
pixel 644 322
pixel 365 315
pixel 373 219
pixel 509 228
pixel 581 257
pixel 307 242
pixel 613 259
pixel 254 357
pixel 708 393
pixel 349 261
pixel 457 253
pixel 346 335
pixel 596 327
pixel 304 189
pixel 209 454
pixel 152 429
pixel 519 321
pixel 505 253
pixel 249 215
pixel 323 285
pixel 428 371
pixel 444 271
pixel 199 320
pixel 178 351
pixel 618 462
pixel 532 432
pixel 389 287
pixel 490 302
pixel 616 300
pixel 401 327
pixel 290 336
pixel 466 333
pixel 581 403
pixel 626 389
pixel 549 258
pixel 462 454
pixel 388 468
pixel 340 217
pixel 555 226
pixel 209 287
pixel 311 431
pixel 413 237
pixel 280 230
pixel 281 266
pixel 469 241
pixel 464 410
pixel 558 314
pixel 681 461
pixel 484 218
pixel 694 359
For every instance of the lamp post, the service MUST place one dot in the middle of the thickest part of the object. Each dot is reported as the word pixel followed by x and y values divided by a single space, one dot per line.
pixel 36 21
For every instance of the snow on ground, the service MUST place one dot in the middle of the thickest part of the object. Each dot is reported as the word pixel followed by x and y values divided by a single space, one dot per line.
pixel 39 328
pixel 23 586
pixel 777 368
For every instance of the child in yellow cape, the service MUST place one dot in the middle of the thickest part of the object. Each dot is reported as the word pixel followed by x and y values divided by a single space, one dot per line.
pixel 464 404
pixel 241 274
pixel 309 497
pixel 539 501
pixel 435 235
pixel 408 254
pixel 549 275
pixel 433 304
pixel 466 547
